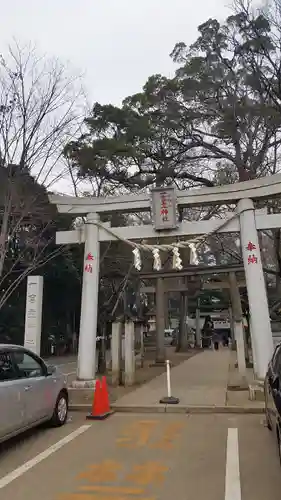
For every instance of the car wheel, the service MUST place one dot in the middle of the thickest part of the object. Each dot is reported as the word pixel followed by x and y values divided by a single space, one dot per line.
pixel 60 411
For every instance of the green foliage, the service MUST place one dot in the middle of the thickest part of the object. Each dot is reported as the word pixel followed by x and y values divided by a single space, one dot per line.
pixel 137 145
pixel 222 79
pixel 28 226
pixel 221 106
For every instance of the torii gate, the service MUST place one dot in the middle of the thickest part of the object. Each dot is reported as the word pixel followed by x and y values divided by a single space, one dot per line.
pixel 247 221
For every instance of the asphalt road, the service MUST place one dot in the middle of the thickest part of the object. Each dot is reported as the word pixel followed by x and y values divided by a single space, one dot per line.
pixel 144 457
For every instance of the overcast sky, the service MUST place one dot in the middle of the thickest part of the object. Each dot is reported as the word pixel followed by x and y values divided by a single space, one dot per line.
pixel 115 44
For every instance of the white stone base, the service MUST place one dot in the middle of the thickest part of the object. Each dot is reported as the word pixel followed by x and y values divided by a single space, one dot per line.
pixel 83 384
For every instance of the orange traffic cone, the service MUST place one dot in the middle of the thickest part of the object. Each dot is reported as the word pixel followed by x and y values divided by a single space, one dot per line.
pixel 105 396
pixel 100 407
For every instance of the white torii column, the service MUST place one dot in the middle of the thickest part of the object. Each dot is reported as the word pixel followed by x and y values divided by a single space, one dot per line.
pixel 260 320
pixel 86 369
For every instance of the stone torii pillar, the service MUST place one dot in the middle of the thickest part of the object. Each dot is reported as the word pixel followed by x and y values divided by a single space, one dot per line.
pixel 86 369
pixel 238 324
pixel 198 339
pixel 260 320
pixel 160 321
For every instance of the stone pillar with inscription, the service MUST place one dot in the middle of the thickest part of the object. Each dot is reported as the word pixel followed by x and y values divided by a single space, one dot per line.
pixel 262 340
pixel 33 314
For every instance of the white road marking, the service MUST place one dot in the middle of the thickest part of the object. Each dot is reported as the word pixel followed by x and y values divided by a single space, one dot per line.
pixel 15 474
pixel 232 471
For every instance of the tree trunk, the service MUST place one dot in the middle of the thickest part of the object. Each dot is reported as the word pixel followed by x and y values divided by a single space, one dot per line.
pixel 4 232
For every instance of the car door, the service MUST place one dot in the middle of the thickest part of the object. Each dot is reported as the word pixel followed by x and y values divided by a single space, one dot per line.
pixel 11 397
pixel 34 380
pixel 274 386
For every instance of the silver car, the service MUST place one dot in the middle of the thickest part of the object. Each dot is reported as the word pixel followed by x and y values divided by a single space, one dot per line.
pixel 31 392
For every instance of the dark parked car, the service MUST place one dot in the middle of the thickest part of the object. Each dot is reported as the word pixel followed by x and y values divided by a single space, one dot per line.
pixel 272 391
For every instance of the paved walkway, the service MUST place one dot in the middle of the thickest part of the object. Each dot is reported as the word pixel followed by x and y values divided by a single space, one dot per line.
pixel 199 381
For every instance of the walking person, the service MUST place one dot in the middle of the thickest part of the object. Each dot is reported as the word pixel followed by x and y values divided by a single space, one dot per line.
pixel 208 330
pixel 216 340
pixel 226 339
